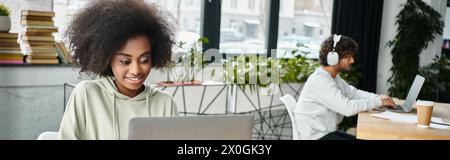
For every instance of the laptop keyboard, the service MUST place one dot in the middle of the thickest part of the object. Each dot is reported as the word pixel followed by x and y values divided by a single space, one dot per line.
pixel 398 108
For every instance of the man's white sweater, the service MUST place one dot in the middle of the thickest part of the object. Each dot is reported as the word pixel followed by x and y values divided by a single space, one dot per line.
pixel 324 101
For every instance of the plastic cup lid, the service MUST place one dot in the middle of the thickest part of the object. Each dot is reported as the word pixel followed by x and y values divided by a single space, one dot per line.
pixel 424 103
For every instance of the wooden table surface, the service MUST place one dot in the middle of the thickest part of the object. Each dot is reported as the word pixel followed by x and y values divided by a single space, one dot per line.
pixel 369 127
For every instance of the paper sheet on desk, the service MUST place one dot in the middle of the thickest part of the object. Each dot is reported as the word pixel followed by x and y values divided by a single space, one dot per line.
pixel 396 117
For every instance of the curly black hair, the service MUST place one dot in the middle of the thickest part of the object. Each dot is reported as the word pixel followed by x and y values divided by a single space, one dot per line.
pixel 345 47
pixel 103 27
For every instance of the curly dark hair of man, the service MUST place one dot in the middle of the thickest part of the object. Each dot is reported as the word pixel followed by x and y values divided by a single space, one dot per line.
pixel 345 47
pixel 103 27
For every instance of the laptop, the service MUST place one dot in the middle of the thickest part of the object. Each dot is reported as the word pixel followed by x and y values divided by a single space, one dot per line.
pixel 410 98
pixel 217 127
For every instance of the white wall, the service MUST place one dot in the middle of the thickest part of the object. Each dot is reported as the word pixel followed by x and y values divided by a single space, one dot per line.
pixel 434 48
pixel 388 31
pixel 15 6
pixel 447 23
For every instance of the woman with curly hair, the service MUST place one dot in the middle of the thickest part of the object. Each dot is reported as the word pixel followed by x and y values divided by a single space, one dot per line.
pixel 121 41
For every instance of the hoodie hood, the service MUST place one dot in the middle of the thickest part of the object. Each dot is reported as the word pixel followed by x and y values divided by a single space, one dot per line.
pixel 96 110
pixel 110 88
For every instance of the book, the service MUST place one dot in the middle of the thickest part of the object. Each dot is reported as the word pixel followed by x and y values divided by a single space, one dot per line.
pixel 37 23
pixel 11 48
pixel 8 35
pixel 37 18
pixel 10 54
pixel 8 41
pixel 38 33
pixel 37 38
pixel 31 53
pixel 37 13
pixel 40 29
pixel 10 44
pixel 11 58
pixel 41 61
pixel 42 56
pixel 34 43
pixel 42 47
pixel 63 52
pixel 39 50
pixel 10 51
pixel 11 61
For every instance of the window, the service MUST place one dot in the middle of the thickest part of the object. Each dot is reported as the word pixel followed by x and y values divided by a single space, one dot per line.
pixel 282 5
pixel 251 4
pixel 184 13
pixel 241 29
pixel 233 3
pixel 312 19
pixel 308 30
pixel 446 35
pixel 243 24
pixel 188 2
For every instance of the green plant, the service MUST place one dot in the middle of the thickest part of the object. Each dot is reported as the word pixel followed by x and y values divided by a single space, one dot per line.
pixel 239 69
pixel 190 58
pixel 4 11
pixel 418 24
pixel 297 69
pixel 289 70
pixel 437 75
pixel 248 71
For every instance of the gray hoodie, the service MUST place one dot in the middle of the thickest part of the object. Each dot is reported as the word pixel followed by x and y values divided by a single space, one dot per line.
pixel 96 110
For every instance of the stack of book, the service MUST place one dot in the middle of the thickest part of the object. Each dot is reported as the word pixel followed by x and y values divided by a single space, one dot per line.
pixel 63 53
pixel 10 49
pixel 38 41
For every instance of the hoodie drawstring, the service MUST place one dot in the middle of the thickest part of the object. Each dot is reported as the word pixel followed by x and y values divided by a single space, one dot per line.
pixel 147 104
pixel 115 127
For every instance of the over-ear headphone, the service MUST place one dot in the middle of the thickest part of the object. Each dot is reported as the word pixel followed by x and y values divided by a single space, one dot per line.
pixel 333 56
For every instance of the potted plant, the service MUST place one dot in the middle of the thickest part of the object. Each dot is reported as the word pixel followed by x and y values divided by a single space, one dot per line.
pixel 5 20
pixel 297 69
pixel 238 70
pixel 437 82
pixel 246 71
pixel 418 24
pixel 291 70
pixel 191 63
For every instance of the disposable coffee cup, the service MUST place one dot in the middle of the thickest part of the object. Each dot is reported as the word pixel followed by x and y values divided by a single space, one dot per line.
pixel 424 113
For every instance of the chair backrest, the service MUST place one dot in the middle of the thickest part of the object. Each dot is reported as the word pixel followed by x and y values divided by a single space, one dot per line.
pixel 48 136
pixel 290 104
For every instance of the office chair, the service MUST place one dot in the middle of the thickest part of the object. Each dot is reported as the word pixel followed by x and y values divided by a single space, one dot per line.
pixel 290 104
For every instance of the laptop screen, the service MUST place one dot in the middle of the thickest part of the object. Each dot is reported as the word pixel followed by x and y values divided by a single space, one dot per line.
pixel 218 127
pixel 413 92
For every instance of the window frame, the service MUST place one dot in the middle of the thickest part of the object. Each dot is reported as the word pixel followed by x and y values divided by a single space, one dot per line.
pixel 210 19
pixel 211 24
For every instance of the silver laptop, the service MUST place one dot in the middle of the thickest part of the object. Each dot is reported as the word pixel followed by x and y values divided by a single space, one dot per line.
pixel 217 127
pixel 410 98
